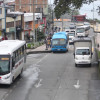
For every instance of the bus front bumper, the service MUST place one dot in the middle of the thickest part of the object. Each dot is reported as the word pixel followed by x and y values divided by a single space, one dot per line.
pixel 59 49
pixel 82 61
pixel 5 79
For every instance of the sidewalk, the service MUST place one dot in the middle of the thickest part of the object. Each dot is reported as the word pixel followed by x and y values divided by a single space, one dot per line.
pixel 40 49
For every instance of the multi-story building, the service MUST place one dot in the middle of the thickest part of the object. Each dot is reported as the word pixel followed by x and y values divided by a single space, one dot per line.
pixel 28 25
pixel 27 5
pixel 14 25
pixel 2 21
pixel 38 7
pixel 11 24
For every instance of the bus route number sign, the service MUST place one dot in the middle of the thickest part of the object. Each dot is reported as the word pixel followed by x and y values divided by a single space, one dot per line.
pixel 4 58
pixel 62 39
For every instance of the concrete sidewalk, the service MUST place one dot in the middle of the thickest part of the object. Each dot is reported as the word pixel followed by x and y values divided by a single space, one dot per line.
pixel 40 49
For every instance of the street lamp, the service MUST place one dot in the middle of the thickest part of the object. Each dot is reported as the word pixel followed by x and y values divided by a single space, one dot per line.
pixel 14 17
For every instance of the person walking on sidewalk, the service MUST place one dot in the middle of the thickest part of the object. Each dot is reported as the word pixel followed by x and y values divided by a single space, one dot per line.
pixel 46 43
pixel 49 41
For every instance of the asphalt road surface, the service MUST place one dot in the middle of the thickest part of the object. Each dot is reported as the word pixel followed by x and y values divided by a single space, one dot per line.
pixel 54 76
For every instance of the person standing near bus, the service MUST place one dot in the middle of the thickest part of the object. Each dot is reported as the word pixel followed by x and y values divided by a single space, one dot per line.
pixel 48 41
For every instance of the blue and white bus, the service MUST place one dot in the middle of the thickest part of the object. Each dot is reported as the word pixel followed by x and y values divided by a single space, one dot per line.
pixel 12 60
pixel 59 43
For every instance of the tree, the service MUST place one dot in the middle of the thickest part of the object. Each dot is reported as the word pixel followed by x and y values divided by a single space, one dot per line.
pixel 63 6
pixel 40 35
pixel 76 12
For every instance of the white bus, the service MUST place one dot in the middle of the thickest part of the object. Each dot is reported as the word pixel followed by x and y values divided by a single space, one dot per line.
pixel 12 60
pixel 82 31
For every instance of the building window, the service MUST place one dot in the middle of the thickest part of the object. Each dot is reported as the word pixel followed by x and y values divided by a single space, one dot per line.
pixel 0 10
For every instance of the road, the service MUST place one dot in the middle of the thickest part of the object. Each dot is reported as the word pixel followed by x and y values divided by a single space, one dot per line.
pixel 54 76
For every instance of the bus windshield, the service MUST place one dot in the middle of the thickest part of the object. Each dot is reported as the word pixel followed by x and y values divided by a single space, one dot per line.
pixel 80 30
pixel 59 42
pixel 4 65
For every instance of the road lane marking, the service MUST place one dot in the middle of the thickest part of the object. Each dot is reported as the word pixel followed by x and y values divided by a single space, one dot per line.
pixel 41 60
pixel 77 86
pixel 39 83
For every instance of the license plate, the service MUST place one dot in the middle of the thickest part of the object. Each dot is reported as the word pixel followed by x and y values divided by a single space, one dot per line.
pixel 83 62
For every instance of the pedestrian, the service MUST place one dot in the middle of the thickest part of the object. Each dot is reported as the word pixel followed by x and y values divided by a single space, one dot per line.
pixel 48 42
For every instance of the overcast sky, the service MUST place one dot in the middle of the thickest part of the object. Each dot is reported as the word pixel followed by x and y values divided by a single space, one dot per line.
pixel 87 9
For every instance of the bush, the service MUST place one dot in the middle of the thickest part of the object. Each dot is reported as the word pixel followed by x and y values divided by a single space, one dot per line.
pixel 30 45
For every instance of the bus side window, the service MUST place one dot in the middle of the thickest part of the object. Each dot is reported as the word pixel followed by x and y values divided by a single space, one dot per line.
pixel 19 53
pixel 13 62
pixel 24 53
pixel 13 59
pixel 16 55
pixel 24 49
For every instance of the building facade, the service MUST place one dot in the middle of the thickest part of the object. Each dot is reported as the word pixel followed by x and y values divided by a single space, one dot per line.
pixel 39 8
pixel 79 18
pixel 14 25
pixel 2 21
pixel 27 5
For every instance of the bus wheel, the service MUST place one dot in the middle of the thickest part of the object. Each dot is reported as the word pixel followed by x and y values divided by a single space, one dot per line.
pixel 12 80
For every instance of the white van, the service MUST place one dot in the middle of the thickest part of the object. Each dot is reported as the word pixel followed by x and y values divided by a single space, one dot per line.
pixel 82 51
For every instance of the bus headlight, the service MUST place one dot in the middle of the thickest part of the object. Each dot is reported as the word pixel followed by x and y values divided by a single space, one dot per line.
pixel 7 76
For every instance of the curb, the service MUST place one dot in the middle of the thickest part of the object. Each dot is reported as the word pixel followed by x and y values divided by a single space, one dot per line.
pixel 33 52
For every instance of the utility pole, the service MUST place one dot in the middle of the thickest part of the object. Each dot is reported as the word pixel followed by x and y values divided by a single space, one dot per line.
pixel 14 17
pixel 33 21
pixel 15 27
pixel 30 6
pixel 62 23
pixel 4 18
pixel 93 14
pixel 99 10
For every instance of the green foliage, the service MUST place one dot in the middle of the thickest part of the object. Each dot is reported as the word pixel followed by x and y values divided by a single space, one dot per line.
pixel 30 45
pixel 76 12
pixel 40 35
pixel 63 6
